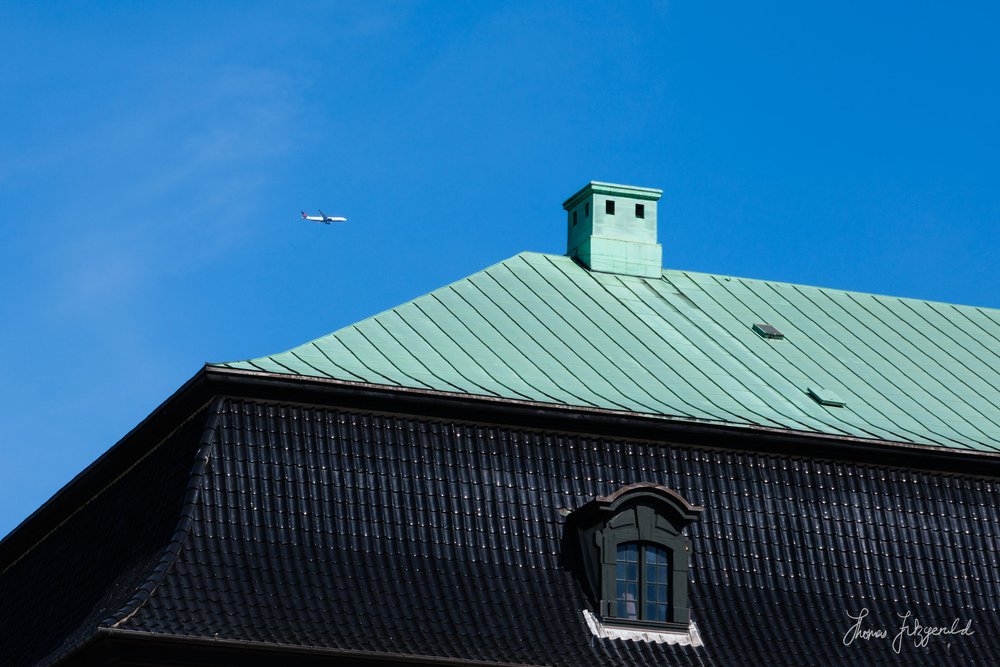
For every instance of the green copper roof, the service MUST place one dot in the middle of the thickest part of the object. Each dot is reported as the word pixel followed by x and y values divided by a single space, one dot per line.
pixel 542 328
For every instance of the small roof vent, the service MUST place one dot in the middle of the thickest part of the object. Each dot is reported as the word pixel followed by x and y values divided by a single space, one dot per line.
pixel 826 397
pixel 768 331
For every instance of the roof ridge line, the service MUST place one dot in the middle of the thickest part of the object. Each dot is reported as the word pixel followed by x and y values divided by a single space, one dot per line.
pixel 173 549
pixel 728 276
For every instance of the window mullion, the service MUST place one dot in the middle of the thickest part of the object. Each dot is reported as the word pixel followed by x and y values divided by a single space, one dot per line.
pixel 641 593
pixel 638 582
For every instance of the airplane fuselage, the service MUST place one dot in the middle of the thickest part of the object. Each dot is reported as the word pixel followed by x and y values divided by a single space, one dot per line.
pixel 323 218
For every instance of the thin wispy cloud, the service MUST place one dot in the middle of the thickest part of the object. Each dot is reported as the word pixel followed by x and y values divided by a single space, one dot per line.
pixel 172 182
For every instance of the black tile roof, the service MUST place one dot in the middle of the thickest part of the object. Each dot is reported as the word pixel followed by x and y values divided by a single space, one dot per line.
pixel 346 530
pixel 95 560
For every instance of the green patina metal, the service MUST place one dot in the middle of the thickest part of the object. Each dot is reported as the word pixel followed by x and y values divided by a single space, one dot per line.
pixel 612 229
pixel 826 397
pixel 543 328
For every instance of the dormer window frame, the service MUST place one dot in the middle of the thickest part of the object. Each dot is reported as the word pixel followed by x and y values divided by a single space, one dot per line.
pixel 649 516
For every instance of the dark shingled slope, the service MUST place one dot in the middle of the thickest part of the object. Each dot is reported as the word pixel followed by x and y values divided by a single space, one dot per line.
pixel 327 528
pixel 99 558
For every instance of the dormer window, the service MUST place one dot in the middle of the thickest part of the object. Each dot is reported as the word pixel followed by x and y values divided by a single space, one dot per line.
pixel 633 556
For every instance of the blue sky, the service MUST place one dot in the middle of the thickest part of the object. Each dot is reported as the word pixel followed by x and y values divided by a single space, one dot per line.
pixel 154 158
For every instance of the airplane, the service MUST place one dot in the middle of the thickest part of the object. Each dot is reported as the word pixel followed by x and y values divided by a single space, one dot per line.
pixel 322 217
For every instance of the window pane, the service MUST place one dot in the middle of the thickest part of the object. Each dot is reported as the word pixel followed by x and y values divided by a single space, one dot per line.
pixel 627 581
pixel 655 555
pixel 622 611
pixel 656 584
pixel 642 582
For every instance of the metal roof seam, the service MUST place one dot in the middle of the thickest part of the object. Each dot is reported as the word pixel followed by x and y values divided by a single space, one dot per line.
pixel 723 352
pixel 417 357
pixel 962 349
pixel 299 357
pixel 922 350
pixel 652 329
pixel 577 355
pixel 470 358
pixel 944 308
pixel 366 339
pixel 615 342
pixel 770 349
pixel 837 359
pixel 914 372
pixel 895 366
pixel 332 362
pixel 624 304
pixel 517 348
pixel 655 288
pixel 991 314
pixel 810 359
pixel 437 298
pixel 334 339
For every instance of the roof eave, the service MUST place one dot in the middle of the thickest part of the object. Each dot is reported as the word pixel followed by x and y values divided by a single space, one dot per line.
pixel 173 412
pixel 612 423
pixel 133 647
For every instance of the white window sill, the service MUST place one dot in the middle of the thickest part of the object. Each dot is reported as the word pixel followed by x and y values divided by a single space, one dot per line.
pixel 681 638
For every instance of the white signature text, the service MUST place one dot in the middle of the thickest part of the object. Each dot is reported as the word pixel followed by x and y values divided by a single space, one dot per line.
pixel 909 629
